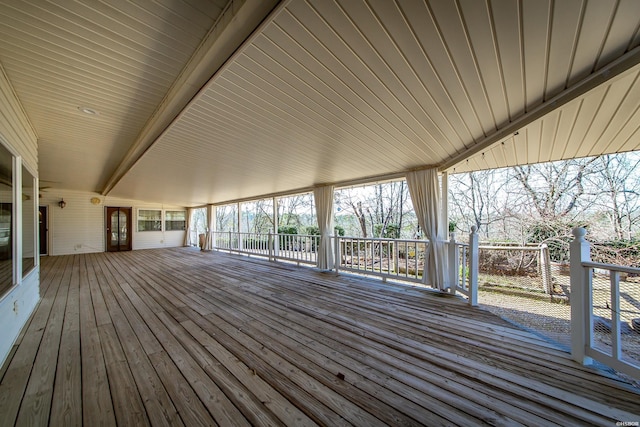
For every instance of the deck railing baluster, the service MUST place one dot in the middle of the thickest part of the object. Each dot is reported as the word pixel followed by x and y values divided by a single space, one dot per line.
pixel 583 347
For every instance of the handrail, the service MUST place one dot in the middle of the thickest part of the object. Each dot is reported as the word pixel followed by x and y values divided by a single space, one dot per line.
pixel 399 259
pixel 384 257
pixel 611 267
pixel 583 346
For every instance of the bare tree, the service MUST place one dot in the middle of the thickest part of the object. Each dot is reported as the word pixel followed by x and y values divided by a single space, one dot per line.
pixel 616 192
pixel 227 217
pixel 379 210
pixel 479 198
pixel 554 189
pixel 297 211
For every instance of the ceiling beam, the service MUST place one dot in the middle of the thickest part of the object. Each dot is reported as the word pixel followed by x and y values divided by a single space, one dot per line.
pixel 606 73
pixel 236 23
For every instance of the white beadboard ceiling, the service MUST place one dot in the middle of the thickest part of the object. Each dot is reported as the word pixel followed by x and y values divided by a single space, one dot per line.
pixel 320 92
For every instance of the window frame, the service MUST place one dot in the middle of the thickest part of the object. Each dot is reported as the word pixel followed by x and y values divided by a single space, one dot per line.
pixel 157 223
pixel 31 217
pixel 13 279
pixel 167 221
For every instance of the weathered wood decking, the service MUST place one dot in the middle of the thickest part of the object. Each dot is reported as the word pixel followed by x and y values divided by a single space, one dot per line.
pixel 180 337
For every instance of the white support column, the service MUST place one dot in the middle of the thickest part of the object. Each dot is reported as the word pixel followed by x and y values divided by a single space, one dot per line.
pixel 454 264
pixel 450 281
pixel 214 225
pixel 473 266
pixel 336 250
pixel 276 222
pixel 580 298
pixel 239 239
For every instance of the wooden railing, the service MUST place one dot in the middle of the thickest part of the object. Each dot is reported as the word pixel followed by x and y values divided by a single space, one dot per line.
pixel 387 258
pixel 463 266
pixel 299 248
pixel 399 259
pixel 585 345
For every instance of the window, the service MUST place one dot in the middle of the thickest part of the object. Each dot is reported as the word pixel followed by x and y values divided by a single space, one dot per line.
pixel 6 220
pixel 149 220
pixel 175 220
pixel 28 222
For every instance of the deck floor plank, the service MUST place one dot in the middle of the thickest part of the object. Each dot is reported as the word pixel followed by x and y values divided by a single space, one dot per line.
pixel 66 406
pixel 184 337
pixel 18 367
pixel 96 396
pixel 216 400
pixel 36 403
pixel 439 391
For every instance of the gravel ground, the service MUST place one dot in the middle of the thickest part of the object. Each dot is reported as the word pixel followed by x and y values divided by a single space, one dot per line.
pixel 536 312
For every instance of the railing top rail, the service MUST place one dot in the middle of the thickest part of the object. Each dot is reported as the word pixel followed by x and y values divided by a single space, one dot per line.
pixel 510 248
pixel 383 239
pixel 612 267
pixel 296 235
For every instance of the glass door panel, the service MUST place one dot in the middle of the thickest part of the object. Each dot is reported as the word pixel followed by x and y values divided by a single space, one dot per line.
pixel 118 226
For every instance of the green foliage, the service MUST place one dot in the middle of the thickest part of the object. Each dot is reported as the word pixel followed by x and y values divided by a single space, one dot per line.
pixel 392 231
pixel 287 229
pixel 313 230
pixel 452 226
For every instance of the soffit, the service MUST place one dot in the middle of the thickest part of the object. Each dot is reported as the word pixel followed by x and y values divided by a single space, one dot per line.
pixel 605 120
pixel 335 91
pixel 117 58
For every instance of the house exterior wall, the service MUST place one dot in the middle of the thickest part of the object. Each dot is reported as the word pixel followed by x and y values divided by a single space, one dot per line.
pixel 80 226
pixel 18 136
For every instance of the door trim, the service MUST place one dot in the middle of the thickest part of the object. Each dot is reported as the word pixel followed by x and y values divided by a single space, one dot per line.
pixel 129 211
pixel 46 231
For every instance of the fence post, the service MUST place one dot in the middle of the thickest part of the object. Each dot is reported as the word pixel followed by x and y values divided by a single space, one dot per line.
pixel 230 241
pixel 545 269
pixel 454 265
pixel 580 297
pixel 473 266
pixel 336 250
pixel 270 245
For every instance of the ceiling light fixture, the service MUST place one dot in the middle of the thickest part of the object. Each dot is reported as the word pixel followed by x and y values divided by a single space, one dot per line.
pixel 88 111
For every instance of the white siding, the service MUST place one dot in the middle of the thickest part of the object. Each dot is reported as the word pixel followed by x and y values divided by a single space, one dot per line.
pixel 17 133
pixel 15 126
pixel 80 226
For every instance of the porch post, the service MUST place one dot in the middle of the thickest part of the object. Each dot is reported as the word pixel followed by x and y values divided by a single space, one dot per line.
pixel 473 266
pixel 449 280
pixel 214 225
pixel 336 250
pixel 239 239
pixel 276 222
pixel 454 264
pixel 580 297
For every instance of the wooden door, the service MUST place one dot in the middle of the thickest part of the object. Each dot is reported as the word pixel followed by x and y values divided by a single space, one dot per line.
pixel 44 229
pixel 118 229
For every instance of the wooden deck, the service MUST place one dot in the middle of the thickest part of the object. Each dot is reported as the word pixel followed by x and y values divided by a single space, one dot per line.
pixel 182 337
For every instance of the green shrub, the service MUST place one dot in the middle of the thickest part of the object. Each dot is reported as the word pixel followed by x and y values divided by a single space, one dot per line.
pixel 287 229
